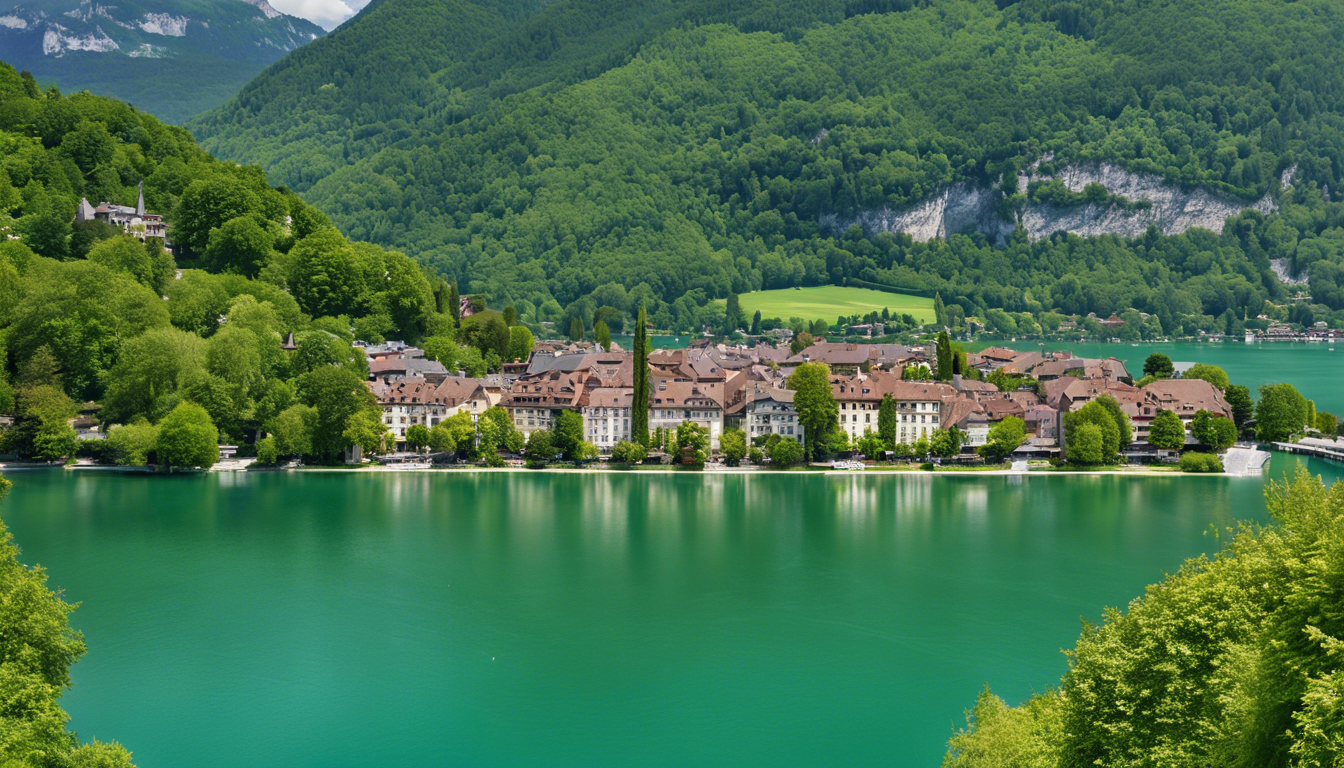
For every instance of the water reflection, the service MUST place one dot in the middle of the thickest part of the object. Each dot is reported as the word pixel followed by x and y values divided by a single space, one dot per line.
pixel 586 619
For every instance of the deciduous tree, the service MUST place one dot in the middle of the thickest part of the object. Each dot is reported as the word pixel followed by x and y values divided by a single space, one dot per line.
pixel 1004 438
pixel 886 420
pixel 1166 431
pixel 733 446
pixel 1280 414
pixel 812 398
pixel 1210 373
pixel 187 438
pixel 1159 366
pixel 1213 431
pixel 337 394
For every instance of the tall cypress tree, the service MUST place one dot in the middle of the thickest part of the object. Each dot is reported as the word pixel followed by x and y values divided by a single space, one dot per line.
pixel 939 311
pixel 454 302
pixel 575 328
pixel 886 420
pixel 732 315
pixel 944 372
pixel 639 417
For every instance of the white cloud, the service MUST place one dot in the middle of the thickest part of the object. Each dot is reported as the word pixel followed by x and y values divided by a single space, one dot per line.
pixel 324 13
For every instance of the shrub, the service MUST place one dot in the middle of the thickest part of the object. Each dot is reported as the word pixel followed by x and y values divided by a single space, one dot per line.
pixel 626 452
pixel 267 452
pixel 130 445
pixel 786 452
pixel 1200 462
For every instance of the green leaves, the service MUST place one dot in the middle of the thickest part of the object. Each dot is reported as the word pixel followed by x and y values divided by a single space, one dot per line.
pixel 817 410
pixel 1280 414
pixel 37 647
pixel 188 438
pixel 1166 431
pixel 1229 662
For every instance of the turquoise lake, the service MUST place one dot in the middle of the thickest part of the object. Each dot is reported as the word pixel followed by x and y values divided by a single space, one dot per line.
pixel 508 619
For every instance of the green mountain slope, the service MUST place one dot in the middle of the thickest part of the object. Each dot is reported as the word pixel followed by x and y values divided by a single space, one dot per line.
pixel 406 68
pixel 701 158
pixel 172 58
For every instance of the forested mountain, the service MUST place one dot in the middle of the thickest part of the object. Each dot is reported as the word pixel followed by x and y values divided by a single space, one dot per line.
pixel 667 154
pixel 172 58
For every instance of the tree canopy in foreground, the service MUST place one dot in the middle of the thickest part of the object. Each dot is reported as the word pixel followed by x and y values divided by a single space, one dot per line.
pixel 1233 661
pixel 37 647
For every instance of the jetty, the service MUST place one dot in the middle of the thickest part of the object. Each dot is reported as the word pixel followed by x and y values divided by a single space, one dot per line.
pixel 1321 448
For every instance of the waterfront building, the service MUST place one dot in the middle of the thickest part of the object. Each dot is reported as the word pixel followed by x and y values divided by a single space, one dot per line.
pixel 919 404
pixel 770 411
pixel 673 401
pixel 606 416
pixel 408 401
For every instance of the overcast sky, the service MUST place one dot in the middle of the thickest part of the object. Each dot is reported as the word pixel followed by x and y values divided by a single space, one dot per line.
pixel 324 13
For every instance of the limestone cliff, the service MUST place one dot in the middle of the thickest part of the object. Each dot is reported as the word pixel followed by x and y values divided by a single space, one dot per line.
pixel 965 208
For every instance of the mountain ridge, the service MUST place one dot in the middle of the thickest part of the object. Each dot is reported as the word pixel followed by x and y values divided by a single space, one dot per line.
pixel 172 58
pixel 688 151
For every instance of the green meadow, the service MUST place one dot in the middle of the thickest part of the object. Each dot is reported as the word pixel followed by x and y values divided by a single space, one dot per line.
pixel 827 302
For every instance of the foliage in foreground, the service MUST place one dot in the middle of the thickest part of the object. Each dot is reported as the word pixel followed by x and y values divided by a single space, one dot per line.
pixel 1234 661
pixel 37 647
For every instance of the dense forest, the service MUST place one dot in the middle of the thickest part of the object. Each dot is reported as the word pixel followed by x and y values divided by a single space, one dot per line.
pixel 695 153
pixel 1234 661
pixel 188 343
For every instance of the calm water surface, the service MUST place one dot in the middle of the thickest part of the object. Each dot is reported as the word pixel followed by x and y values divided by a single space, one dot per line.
pixel 332 620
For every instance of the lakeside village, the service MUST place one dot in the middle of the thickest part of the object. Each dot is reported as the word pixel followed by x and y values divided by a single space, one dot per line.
pixel 879 403
pixel 785 398
pixel 824 405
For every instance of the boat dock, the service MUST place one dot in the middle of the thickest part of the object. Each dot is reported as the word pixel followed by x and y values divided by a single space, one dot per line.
pixel 1332 450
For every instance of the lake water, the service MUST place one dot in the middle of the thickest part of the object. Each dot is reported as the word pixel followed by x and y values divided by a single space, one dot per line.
pixel 509 619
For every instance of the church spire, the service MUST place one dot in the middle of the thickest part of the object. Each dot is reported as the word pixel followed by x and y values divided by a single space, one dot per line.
pixel 140 203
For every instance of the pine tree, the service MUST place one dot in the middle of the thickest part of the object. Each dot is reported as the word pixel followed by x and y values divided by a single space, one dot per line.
pixel 639 407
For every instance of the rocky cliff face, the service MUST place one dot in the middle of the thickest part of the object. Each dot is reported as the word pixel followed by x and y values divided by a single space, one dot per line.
pixel 161 55
pixel 965 208
pixel 236 28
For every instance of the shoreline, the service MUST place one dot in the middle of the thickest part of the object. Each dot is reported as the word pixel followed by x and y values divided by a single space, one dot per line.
pixel 1135 471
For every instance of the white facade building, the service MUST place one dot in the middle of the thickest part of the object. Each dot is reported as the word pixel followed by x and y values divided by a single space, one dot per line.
pixel 674 401
pixel 606 417
pixel 771 412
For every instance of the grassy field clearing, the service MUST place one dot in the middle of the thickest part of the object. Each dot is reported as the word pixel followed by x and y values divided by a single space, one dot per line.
pixel 828 302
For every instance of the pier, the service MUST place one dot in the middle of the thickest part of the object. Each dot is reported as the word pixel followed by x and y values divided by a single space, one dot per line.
pixel 1321 448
